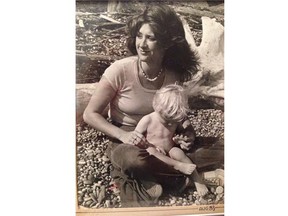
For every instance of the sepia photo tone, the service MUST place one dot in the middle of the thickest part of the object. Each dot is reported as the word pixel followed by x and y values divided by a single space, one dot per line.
pixel 184 174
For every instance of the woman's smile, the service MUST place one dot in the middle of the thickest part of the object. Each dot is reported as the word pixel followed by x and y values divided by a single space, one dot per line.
pixel 143 52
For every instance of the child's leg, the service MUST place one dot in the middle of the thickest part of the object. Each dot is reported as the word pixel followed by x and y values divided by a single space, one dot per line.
pixel 177 154
pixel 199 184
pixel 186 168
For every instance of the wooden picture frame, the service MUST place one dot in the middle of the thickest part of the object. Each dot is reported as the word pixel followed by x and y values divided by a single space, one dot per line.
pixel 95 50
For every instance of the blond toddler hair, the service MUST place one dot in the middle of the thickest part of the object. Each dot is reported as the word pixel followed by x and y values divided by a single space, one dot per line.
pixel 171 102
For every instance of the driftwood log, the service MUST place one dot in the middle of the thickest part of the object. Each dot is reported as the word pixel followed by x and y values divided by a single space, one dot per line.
pixel 206 85
pixel 83 95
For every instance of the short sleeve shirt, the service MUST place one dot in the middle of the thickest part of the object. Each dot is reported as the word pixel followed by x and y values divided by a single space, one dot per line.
pixel 132 101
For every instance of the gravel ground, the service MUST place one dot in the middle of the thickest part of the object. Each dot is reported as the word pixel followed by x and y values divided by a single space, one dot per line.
pixel 96 188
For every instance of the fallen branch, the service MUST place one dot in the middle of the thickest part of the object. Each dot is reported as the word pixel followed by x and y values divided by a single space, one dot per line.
pixel 109 19
pixel 80 52
pixel 116 30
pixel 98 57
pixel 108 24
pixel 79 13
pixel 88 44
pixel 118 13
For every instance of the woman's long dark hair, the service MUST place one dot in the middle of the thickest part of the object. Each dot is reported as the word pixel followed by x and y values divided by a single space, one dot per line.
pixel 169 32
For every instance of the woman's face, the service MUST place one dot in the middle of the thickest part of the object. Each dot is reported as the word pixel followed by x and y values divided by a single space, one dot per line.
pixel 147 46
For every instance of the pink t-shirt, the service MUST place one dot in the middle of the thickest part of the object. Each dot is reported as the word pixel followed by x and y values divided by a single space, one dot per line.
pixel 132 100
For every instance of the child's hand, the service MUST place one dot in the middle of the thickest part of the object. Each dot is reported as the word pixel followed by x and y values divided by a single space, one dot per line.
pixel 185 142
pixel 185 147
pixel 178 139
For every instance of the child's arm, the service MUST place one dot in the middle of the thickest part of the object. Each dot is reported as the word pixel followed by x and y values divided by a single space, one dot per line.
pixel 143 124
pixel 142 128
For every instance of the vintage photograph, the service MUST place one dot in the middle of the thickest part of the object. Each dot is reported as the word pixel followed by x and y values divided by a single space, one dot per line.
pixel 149 107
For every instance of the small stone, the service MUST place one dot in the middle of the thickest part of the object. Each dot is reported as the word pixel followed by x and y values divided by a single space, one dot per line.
pixel 80 199
pixel 90 152
pixel 219 190
pixel 114 202
pixel 81 162
pixel 90 177
pixel 97 151
pixel 105 158
pixel 88 182
pixel 93 197
pixel 210 196
pixel 92 204
pixel 212 189
pixel 107 204
pixel 87 198
pixel 203 201
pixel 101 195
pixel 99 183
pixel 173 198
pixel 118 198
pixel 87 203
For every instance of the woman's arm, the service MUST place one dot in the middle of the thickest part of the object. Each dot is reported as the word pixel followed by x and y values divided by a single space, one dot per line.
pixel 102 96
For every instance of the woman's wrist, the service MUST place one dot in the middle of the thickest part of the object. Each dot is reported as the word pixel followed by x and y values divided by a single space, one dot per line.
pixel 120 134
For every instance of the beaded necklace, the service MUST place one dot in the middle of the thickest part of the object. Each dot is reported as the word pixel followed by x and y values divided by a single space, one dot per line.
pixel 146 76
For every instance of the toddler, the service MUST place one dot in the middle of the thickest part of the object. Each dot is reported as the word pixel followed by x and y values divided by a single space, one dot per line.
pixel 170 106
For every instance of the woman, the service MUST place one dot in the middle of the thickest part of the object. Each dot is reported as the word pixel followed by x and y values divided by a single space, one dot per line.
pixel 161 56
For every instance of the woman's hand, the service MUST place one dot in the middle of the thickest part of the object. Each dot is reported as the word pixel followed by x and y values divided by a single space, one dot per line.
pixel 133 138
